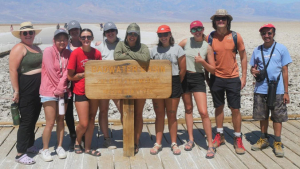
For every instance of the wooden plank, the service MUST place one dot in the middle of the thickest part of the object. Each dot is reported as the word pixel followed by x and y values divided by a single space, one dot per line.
pixel 200 140
pixel 128 79
pixel 194 154
pixel 294 123
pixel 106 160
pixel 4 133
pixel 294 130
pixel 146 143
pixel 128 128
pixel 167 158
pixel 90 161
pixel 8 150
pixel 120 162
pixel 283 162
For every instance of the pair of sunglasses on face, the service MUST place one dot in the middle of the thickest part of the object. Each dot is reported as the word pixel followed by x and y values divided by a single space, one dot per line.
pixel 223 18
pixel 160 35
pixel 25 33
pixel 132 34
pixel 86 37
pixel 264 33
pixel 198 29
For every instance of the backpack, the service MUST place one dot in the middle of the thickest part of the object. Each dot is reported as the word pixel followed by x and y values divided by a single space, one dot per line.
pixel 234 37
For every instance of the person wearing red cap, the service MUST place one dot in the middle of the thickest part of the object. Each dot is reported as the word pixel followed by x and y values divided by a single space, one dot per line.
pixel 269 63
pixel 167 50
pixel 226 77
pixel 199 56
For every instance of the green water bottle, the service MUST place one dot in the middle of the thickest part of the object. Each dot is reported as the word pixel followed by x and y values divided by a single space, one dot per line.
pixel 14 109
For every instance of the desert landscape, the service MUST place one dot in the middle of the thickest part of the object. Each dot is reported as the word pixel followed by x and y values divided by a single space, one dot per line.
pixel 287 33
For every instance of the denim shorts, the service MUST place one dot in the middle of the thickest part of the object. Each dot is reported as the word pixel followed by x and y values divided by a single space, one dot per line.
pixel 48 99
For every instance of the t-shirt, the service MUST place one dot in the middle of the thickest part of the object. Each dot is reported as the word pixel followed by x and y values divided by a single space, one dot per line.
pixel 280 58
pixel 77 61
pixel 107 50
pixel 225 57
pixel 171 53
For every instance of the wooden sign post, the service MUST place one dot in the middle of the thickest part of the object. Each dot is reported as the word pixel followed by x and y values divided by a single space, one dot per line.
pixel 128 80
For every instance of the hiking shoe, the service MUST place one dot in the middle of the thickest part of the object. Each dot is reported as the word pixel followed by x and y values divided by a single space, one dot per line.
pixel 109 143
pixel 260 144
pixel 278 149
pixel 219 140
pixel 46 155
pixel 238 145
pixel 61 153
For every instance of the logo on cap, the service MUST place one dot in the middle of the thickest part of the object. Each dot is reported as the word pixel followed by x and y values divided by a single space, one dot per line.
pixel 109 24
pixel 162 29
pixel 73 23
pixel 195 23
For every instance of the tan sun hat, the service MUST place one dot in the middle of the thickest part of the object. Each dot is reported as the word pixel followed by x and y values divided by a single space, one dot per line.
pixel 25 26
pixel 221 12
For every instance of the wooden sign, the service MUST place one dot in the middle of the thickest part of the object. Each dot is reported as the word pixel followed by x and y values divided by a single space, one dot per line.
pixel 128 79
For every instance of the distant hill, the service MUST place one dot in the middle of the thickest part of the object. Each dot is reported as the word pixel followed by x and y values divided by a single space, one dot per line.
pixel 53 11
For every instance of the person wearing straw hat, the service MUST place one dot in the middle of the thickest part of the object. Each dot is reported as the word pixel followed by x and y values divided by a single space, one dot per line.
pixel 25 61
pixel 226 78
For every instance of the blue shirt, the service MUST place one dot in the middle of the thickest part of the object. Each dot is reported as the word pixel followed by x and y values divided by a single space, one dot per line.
pixel 280 58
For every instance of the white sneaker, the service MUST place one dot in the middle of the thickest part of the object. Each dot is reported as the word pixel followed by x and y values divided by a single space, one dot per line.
pixel 46 155
pixel 61 153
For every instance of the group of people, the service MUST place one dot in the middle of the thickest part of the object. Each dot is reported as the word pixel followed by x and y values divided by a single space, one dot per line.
pixel 45 78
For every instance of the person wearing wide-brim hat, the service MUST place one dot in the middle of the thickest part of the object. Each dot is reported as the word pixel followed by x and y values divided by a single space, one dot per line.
pixel 225 44
pixel 25 63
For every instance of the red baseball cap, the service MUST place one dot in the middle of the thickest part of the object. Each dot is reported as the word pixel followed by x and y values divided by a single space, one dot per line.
pixel 269 25
pixel 196 24
pixel 163 29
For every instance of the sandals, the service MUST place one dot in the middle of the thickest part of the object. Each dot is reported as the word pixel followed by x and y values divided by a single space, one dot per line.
pixel 24 159
pixel 93 153
pixel 33 149
pixel 211 151
pixel 176 150
pixel 78 149
pixel 136 148
pixel 189 145
pixel 155 149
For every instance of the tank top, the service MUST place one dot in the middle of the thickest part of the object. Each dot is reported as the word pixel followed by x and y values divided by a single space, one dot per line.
pixel 192 48
pixel 30 61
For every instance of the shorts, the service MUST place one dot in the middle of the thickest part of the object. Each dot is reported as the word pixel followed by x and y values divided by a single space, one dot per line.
pixel 261 110
pixel 176 87
pixel 47 99
pixel 193 82
pixel 80 98
pixel 232 87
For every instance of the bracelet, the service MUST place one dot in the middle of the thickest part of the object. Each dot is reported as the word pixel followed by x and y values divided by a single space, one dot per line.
pixel 286 92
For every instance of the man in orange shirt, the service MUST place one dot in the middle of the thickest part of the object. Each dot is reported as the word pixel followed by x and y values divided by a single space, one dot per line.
pixel 226 78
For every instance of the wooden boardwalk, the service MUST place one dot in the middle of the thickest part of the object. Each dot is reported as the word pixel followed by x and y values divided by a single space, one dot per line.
pixel 224 158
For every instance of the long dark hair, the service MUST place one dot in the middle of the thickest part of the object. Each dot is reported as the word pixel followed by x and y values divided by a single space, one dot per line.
pixel 171 41
pixel 137 43
pixel 228 23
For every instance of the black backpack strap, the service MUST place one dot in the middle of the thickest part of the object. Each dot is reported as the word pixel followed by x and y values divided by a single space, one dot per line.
pixel 234 37
pixel 210 38
pixel 263 58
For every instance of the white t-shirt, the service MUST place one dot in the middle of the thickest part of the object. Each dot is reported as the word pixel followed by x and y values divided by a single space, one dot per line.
pixel 107 50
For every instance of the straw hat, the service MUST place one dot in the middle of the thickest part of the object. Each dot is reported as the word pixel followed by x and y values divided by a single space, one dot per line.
pixel 221 12
pixel 25 26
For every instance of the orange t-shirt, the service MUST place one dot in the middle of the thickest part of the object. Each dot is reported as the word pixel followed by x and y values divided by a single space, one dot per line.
pixel 225 57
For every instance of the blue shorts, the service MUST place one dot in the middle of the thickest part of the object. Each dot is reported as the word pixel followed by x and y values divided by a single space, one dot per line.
pixel 48 99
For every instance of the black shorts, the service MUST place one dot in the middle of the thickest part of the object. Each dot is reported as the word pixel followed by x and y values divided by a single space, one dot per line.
pixel 193 82
pixel 232 87
pixel 80 98
pixel 176 87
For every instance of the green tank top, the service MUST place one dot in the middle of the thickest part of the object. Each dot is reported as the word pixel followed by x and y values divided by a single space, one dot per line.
pixel 30 61
pixel 192 48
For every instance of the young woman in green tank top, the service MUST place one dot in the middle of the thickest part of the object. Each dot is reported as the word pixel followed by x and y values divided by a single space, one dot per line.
pixel 199 56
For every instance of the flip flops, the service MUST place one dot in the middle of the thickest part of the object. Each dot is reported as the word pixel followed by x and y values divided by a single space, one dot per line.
pixel 24 159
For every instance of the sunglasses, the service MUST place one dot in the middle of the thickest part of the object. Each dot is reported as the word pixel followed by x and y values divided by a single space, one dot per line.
pixel 86 37
pixel 110 31
pixel 133 34
pixel 264 33
pixel 224 18
pixel 194 30
pixel 25 33
pixel 163 34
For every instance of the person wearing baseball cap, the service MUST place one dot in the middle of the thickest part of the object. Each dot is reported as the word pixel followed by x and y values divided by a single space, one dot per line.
pixel 199 57
pixel 53 87
pixel 107 48
pixel 269 63
pixel 226 44
pixel 167 50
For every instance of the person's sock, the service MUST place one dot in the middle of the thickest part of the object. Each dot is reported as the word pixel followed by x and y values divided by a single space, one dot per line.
pixel 220 130
pixel 264 135
pixel 277 138
pixel 237 134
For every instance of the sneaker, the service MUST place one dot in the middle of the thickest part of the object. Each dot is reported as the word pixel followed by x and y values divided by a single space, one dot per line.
pixel 238 145
pixel 46 155
pixel 278 150
pixel 61 153
pixel 260 144
pixel 109 143
pixel 219 140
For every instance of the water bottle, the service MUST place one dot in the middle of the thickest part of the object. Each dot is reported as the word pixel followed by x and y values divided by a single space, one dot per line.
pixel 14 109
pixel 61 106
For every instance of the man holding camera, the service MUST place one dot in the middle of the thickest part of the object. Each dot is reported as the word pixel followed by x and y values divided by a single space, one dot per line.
pixel 269 63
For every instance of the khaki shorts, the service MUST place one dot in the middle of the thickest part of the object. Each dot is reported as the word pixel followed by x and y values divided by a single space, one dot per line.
pixel 261 110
